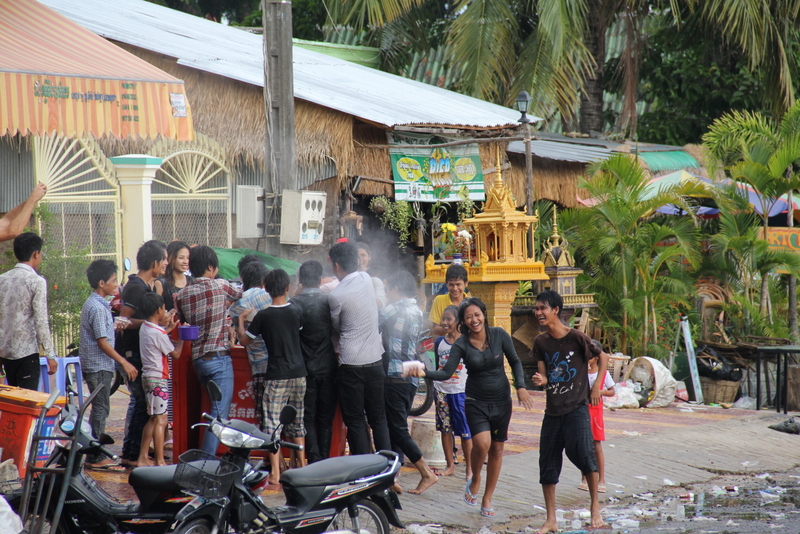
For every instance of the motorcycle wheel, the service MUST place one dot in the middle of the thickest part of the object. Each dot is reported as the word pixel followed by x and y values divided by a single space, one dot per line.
pixel 370 517
pixel 424 397
pixel 119 379
pixel 196 526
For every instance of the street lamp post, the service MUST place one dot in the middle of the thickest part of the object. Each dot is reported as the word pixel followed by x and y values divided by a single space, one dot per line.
pixel 521 104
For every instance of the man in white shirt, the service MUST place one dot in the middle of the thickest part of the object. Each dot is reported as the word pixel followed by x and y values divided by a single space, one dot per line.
pixel 23 316
pixel 354 314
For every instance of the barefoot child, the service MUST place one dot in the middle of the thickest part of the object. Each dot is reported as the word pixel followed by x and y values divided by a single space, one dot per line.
pixel 451 418
pixel 598 426
pixel 155 347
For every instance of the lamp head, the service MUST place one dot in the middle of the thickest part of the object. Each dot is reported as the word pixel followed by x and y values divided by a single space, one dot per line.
pixel 522 102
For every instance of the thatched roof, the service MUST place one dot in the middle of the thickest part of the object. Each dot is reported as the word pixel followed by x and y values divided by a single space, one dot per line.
pixel 232 113
pixel 552 179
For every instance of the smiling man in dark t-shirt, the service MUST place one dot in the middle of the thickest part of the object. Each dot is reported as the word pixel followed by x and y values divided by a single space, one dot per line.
pixel 562 355
pixel 279 326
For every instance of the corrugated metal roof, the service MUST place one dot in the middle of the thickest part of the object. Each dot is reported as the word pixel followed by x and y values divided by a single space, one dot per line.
pixel 668 161
pixel 562 151
pixel 369 94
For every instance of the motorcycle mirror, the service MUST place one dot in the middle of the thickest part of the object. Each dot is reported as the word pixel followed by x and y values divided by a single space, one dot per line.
pixel 213 391
pixel 105 439
pixel 288 414
pixel 127 263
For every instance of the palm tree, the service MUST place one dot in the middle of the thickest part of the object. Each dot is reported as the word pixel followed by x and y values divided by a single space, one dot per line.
pixel 738 256
pixel 757 151
pixel 624 249
pixel 766 31
pixel 556 49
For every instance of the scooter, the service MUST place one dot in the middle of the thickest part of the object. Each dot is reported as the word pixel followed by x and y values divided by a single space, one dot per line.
pixel 344 494
pixel 62 494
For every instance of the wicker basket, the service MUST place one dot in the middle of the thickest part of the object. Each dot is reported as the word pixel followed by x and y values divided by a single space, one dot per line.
pixel 718 391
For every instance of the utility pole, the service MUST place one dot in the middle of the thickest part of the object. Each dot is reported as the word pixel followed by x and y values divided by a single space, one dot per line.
pixel 279 108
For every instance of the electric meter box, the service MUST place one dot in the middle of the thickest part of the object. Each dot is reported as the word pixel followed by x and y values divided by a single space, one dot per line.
pixel 249 211
pixel 302 217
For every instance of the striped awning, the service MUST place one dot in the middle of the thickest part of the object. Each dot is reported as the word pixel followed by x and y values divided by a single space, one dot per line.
pixel 58 77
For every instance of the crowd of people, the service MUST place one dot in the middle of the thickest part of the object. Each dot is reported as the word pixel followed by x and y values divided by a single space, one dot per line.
pixel 344 336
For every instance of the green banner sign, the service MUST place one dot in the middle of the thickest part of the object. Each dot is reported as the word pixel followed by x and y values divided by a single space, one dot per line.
pixel 437 174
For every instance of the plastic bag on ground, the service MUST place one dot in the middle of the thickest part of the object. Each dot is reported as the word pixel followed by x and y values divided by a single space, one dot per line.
pixel 745 403
pixel 790 426
pixel 624 397
pixel 652 373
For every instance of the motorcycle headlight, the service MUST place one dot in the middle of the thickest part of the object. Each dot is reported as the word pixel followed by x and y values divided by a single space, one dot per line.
pixel 235 438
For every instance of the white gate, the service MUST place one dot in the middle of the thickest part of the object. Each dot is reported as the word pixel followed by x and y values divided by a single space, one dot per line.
pixel 82 196
pixel 191 193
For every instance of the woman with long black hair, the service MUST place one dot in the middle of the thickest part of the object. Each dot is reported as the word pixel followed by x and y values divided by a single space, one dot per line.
pixel 488 406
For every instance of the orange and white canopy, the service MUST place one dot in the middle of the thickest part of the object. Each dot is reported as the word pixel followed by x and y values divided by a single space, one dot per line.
pixel 58 77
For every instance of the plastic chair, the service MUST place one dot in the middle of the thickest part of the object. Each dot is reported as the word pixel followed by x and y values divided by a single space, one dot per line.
pixel 61 376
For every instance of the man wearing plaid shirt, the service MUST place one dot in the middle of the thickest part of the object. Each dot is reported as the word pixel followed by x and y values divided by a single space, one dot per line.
pixel 401 326
pixel 204 303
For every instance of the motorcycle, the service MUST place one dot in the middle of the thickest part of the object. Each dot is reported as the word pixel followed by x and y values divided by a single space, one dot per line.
pixel 322 497
pixel 60 494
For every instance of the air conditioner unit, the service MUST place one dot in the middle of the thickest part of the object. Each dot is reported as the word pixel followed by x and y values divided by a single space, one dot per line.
pixel 302 217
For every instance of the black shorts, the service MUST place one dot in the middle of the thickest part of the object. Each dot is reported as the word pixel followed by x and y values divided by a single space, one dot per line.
pixel 488 417
pixel 570 433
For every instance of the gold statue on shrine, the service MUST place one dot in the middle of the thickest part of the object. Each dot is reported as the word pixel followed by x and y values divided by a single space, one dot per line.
pixel 501 240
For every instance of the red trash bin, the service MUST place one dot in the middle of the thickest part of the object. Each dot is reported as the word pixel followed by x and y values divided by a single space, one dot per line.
pixel 19 410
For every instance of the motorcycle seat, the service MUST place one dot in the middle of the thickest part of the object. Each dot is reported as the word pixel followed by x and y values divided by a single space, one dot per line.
pixel 335 470
pixel 156 477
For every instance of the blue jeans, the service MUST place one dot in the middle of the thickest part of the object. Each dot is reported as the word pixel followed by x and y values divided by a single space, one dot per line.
pixel 220 370
pixel 136 417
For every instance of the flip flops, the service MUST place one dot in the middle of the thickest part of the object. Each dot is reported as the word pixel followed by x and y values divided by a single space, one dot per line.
pixel 488 512
pixel 601 489
pixel 470 498
pixel 114 468
pixel 583 486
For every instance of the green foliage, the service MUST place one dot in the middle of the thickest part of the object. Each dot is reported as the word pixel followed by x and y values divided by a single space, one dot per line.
pixel 636 262
pixel 525 288
pixel 396 216
pixel 689 78
pixel 67 286
pixel 308 19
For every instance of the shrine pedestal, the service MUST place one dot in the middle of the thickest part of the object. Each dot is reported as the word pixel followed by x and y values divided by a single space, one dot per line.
pixel 498 297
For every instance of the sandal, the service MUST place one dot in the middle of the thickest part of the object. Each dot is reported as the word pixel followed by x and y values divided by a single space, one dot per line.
pixel 470 498
pixel 114 468
pixel 488 512
pixel 583 486
pixel 601 489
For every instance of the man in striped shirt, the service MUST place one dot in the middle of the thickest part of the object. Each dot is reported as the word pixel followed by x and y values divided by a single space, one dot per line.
pixel 354 315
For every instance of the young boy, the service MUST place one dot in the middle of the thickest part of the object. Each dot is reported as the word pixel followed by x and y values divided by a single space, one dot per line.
pixel 155 347
pixel 279 327
pixel 401 325
pixel 598 424
pixel 456 280
pixel 562 355
pixel 451 417
pixel 96 351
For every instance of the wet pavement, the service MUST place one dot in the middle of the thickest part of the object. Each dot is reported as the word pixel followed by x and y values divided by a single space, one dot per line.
pixel 668 471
